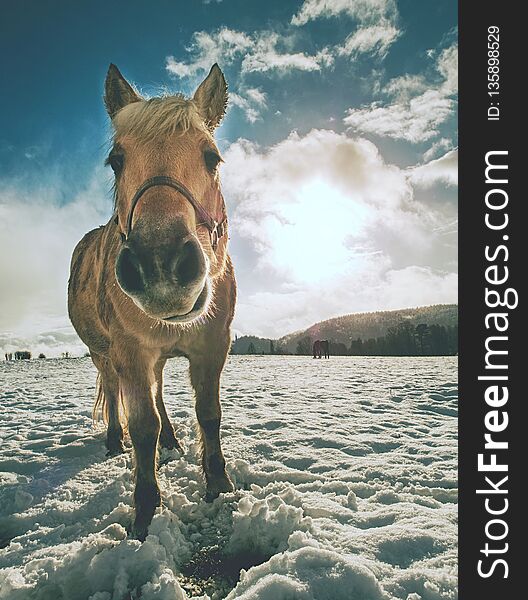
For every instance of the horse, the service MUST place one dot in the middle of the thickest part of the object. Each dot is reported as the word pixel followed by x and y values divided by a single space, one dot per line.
pixel 157 280
pixel 321 347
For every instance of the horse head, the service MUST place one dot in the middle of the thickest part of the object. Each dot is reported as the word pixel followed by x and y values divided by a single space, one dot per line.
pixel 169 210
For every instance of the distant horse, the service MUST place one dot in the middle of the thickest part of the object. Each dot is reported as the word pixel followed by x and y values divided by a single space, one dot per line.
pixel 321 347
pixel 156 281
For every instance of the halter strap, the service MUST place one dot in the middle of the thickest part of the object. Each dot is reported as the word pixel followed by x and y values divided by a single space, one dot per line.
pixel 217 229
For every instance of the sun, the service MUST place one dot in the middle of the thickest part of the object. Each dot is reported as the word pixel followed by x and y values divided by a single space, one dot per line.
pixel 313 235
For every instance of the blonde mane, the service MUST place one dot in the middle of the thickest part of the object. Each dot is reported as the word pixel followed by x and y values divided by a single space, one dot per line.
pixel 159 116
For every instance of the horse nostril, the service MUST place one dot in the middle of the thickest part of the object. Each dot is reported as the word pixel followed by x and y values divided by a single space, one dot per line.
pixel 189 263
pixel 128 272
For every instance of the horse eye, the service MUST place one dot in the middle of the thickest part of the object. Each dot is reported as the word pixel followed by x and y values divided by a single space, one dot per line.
pixel 116 162
pixel 211 159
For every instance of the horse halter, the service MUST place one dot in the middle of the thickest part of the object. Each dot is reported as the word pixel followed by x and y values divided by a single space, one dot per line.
pixel 217 229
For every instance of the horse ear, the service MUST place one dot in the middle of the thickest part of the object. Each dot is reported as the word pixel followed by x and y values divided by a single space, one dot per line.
pixel 118 92
pixel 211 97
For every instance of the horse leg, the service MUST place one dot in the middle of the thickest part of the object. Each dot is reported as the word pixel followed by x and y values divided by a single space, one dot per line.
pixel 114 433
pixel 137 381
pixel 205 378
pixel 110 389
pixel 167 436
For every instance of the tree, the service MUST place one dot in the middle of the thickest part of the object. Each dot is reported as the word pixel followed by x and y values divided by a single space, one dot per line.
pixel 400 339
pixel 439 340
pixel 338 349
pixel 251 348
pixel 304 346
pixel 356 347
pixel 369 347
pixel 272 347
pixel 452 335
pixel 423 335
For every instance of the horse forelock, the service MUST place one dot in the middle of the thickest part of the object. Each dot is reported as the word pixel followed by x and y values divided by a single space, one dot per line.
pixel 160 116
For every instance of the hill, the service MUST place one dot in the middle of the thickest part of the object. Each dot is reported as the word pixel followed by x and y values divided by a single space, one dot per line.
pixel 346 328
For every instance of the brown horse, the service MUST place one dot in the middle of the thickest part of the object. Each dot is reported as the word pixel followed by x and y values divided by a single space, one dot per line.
pixel 156 281
pixel 321 347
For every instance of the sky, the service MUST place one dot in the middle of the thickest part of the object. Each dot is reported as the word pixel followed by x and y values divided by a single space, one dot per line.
pixel 340 149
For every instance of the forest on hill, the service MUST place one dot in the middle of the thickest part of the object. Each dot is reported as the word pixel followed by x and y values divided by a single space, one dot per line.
pixel 427 330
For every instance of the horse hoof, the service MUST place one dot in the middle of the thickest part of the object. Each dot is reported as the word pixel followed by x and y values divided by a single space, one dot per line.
pixel 170 442
pixel 115 449
pixel 221 486
pixel 146 498
pixel 139 532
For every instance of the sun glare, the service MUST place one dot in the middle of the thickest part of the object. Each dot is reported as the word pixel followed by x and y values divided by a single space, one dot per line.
pixel 312 240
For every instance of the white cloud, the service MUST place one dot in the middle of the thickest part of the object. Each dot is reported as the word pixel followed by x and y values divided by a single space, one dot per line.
pixel 257 96
pixel 37 237
pixel 252 101
pixel 59 338
pixel 221 46
pixel 405 87
pixel 259 52
pixel 418 108
pixel 415 121
pixel 360 10
pixel 266 55
pixel 333 229
pixel 441 145
pixel 267 50
pixel 374 39
pixel 447 65
pixel 377 23
pixel 441 170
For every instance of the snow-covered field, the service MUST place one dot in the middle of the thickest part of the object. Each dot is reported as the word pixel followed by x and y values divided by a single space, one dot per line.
pixel 345 472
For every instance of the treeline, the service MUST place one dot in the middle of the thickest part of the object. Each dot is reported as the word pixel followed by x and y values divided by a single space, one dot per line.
pixel 250 344
pixel 26 355
pixel 403 339
pixel 370 326
pixel 18 355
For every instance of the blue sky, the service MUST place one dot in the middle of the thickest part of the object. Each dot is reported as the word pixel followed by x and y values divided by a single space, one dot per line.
pixel 342 119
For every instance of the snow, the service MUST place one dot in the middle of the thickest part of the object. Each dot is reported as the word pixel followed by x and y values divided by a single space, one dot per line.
pixel 345 469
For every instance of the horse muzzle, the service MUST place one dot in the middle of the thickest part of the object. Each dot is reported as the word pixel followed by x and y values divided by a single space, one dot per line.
pixel 168 283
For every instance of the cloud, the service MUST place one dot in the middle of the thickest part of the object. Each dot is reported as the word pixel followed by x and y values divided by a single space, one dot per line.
pixel 377 23
pixel 405 87
pixel 267 55
pixel 441 170
pixel 419 107
pixel 375 39
pixel 258 52
pixel 252 101
pixel 222 46
pixel 37 237
pixel 447 65
pixel 268 51
pixel 363 11
pixel 51 343
pixel 415 121
pixel 437 148
pixel 331 229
